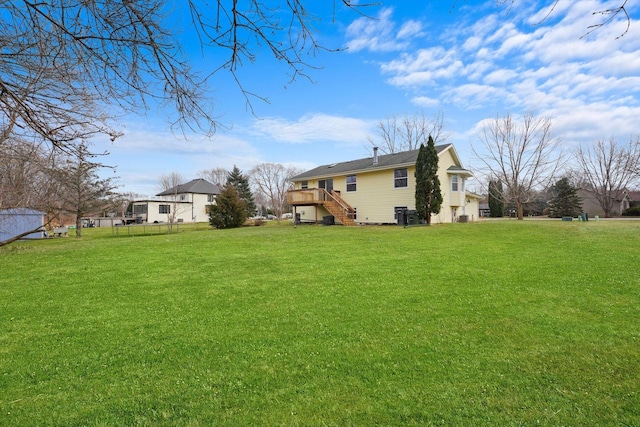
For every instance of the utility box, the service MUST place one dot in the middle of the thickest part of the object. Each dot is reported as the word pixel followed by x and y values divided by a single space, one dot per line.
pixel 401 216
pixel 412 217
pixel 463 218
pixel 328 220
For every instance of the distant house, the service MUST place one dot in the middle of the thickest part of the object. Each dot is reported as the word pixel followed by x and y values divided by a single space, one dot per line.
pixel 14 222
pixel 634 197
pixel 381 190
pixel 183 203
pixel 591 206
pixel 484 209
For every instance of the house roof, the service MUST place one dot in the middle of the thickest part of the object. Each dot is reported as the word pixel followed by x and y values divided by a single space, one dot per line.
pixel 459 170
pixel 634 195
pixel 196 186
pixel 385 161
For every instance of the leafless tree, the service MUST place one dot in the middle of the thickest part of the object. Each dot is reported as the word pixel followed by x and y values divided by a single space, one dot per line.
pixel 217 176
pixel 273 181
pixel 608 15
pixel 82 192
pixel 608 169
pixel 24 181
pixel 169 187
pixel 67 68
pixel 523 155
pixel 396 134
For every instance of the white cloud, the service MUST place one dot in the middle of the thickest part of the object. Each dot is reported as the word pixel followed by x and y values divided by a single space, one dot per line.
pixel 423 68
pixel 410 29
pixel 425 101
pixel 380 34
pixel 474 96
pixel 314 127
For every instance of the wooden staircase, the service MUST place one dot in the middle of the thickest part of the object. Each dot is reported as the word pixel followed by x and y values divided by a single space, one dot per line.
pixel 342 212
pixel 332 202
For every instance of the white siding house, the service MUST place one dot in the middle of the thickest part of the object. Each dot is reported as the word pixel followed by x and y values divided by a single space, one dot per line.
pixel 183 203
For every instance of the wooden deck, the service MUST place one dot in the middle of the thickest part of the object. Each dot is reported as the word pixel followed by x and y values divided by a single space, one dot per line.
pixel 332 202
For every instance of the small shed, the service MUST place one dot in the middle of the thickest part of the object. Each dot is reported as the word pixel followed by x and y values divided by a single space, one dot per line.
pixel 19 220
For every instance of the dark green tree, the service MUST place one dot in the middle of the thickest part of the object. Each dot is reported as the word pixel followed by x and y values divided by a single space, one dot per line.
pixel 229 210
pixel 564 199
pixel 241 184
pixel 496 203
pixel 428 195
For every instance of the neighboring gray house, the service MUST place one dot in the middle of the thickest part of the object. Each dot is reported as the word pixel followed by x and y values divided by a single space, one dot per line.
pixel 591 205
pixel 19 220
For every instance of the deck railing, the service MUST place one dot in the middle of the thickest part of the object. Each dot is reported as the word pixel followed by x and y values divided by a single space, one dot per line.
pixel 319 196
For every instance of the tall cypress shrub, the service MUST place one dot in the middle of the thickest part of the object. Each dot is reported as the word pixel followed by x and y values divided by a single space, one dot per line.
pixel 428 194
pixel 496 204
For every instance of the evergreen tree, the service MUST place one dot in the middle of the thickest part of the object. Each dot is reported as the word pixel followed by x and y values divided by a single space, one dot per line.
pixel 229 211
pixel 496 203
pixel 428 195
pixel 564 200
pixel 241 184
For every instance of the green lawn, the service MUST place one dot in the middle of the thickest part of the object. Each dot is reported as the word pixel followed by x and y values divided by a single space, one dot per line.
pixel 494 323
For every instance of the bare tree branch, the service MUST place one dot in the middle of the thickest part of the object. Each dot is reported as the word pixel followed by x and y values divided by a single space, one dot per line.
pixel 396 134
pixel 608 169
pixel 273 181
pixel 522 155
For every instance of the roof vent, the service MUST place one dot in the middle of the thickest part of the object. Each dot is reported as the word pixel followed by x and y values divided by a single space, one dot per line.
pixel 375 156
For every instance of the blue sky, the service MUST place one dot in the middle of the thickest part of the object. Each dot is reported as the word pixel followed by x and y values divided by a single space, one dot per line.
pixel 469 60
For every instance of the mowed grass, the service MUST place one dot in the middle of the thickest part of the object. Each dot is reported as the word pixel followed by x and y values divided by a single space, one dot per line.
pixel 494 323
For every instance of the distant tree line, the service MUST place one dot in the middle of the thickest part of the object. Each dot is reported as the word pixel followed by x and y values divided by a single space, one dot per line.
pixel 527 169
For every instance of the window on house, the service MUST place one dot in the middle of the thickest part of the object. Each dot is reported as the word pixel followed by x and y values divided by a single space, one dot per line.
pixel 351 183
pixel 454 183
pixel 461 184
pixel 140 209
pixel 164 209
pixel 400 178
pixel 304 185
pixel 183 197
pixel 211 198
pixel 326 184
